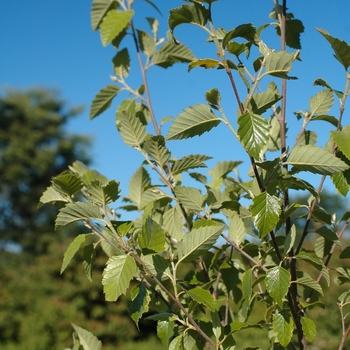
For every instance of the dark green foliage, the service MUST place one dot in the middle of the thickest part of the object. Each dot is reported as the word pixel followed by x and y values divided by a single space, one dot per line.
pixel 34 147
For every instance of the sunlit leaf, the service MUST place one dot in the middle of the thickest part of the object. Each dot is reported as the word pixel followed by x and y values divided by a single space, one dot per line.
pixel 262 101
pixel 172 53
pixel 283 325
pixel 103 194
pixel 190 197
pixel 237 230
pixel 99 9
pixel 138 184
pixel 315 160
pixel 51 196
pixel 221 169
pixel 342 139
pixel 132 130
pixel 322 102
pixel 199 241
pixel 309 328
pixel 266 210
pixel 277 282
pixel 341 184
pixel 117 275
pixel 253 132
pixel 67 183
pixel 147 44
pixel 310 283
pixel 113 23
pixel 87 340
pixel 155 147
pixel 193 121
pixel 205 63
pixel 279 64
pixel 89 254
pixel 165 332
pixel 103 100
pixel 247 286
pixel 191 161
pixel 173 222
pixel 74 212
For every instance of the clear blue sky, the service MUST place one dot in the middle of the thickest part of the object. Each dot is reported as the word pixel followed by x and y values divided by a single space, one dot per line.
pixel 51 44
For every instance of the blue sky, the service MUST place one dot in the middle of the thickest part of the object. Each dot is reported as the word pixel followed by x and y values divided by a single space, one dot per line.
pixel 51 44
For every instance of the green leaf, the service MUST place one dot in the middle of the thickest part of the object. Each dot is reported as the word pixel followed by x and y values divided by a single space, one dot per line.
pixel 341 184
pixel 328 118
pixel 117 275
pixel 103 194
pixel 191 161
pixel 310 283
pixel 87 340
pixel 236 229
pixel 322 102
pixel 176 343
pixel 89 254
pixel 165 332
pixel 322 82
pixel 247 288
pixel 152 238
pixel 213 97
pixel 51 196
pixel 278 64
pixel 121 63
pixel 193 121
pixel 113 24
pixel 147 44
pixel 138 184
pixel 222 169
pixel 342 139
pixel 277 282
pixel 190 197
pixel 139 303
pixel 172 53
pixel 74 212
pixel 205 63
pixel 266 210
pixel 328 234
pixel 294 28
pixel 261 102
pixel 132 130
pixel 203 297
pixel 103 100
pixel 73 248
pixel 173 222
pixel 245 31
pixel 341 48
pixel 99 9
pixel 290 182
pixel 155 147
pixel 67 183
pixel 283 326
pixel 316 160
pixel 253 133
pixel 309 328
pixel 157 266
pixel 290 240
pixel 195 13
pixel 199 241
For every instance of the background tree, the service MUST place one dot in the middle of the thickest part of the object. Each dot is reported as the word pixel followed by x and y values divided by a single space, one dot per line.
pixel 34 146
pixel 37 304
